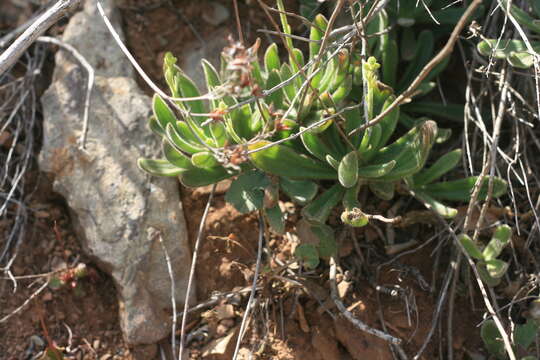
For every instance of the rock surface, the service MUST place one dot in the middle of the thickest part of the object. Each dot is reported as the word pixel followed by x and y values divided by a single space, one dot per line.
pixel 117 209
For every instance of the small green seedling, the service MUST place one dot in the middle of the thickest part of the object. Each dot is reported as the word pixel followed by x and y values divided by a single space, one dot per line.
pixel 516 52
pixel 490 269
pixel 523 336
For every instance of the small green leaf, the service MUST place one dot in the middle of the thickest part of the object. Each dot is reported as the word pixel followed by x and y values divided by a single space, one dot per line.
pixel 432 204
pixel 275 219
pixel 461 190
pixel 319 209
pixel 500 239
pixel 308 254
pixel 348 170
pixel 383 190
pixel 271 58
pixel 327 242
pixel 197 177
pixel 376 171
pixel 246 193
pixel 300 191
pixel 443 165
pixel 492 338
pixel 282 160
pixel 158 167
pixel 175 157
pixel 525 334
pixel 485 276
pixel 470 247
pixel 204 159
pixel 162 112
pixel 496 268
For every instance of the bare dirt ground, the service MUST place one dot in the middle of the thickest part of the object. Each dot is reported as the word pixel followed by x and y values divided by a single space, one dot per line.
pixel 293 319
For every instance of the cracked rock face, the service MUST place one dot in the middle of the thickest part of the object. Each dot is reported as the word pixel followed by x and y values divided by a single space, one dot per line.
pixel 120 213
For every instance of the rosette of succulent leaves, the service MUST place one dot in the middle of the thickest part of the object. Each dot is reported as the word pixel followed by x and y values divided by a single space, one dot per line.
pixel 298 139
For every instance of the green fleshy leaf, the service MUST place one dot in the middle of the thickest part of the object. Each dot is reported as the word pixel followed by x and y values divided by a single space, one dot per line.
pixel 162 112
pixel 432 204
pixel 485 275
pixel 443 165
pixel 348 170
pixel 460 190
pixel 308 254
pixel 492 338
pixel 271 59
pixel 525 334
pixel 383 190
pixel 175 157
pixel 496 268
pixel 319 209
pixel 500 239
pixel 204 159
pixel 275 219
pixel 470 247
pixel 246 193
pixel 300 191
pixel 280 160
pixel 158 167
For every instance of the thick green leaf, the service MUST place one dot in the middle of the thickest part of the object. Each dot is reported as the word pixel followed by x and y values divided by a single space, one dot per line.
pixel 327 242
pixel 246 193
pixel 470 247
pixel 423 54
pixel 460 190
pixel 158 167
pixel 500 239
pixel 348 170
pixel 436 110
pixel 181 142
pixel 525 334
pixel 211 75
pixel 309 255
pixel 443 165
pixel 432 204
pixel 414 154
pixel 496 268
pixel 175 157
pixel 188 89
pixel 197 177
pixel 162 112
pixel 492 338
pixel 316 34
pixel 284 161
pixel 300 191
pixel 383 190
pixel 514 51
pixel 376 171
pixel 319 209
pixel 275 98
pixel 155 127
pixel 275 219
pixel 485 276
pixel 271 59
pixel 204 159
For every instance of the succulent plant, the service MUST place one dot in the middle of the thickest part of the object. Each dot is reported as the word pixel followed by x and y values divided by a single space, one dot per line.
pixel 490 269
pixel 516 52
pixel 263 126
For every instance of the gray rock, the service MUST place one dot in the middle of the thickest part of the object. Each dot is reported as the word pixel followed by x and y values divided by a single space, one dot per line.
pixel 190 62
pixel 117 209
pixel 88 33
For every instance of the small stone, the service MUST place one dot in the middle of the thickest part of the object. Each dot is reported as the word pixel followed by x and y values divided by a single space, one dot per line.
pixel 216 14
pixel 95 344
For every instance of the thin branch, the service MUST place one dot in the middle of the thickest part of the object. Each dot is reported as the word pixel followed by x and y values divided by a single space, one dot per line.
pixel 35 30
pixel 349 316
pixel 192 270
pixel 253 287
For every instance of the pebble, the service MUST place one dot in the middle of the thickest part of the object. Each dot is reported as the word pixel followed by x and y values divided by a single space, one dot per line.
pixel 95 344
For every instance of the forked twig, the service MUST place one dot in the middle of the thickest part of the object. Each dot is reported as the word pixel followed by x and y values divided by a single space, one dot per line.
pixel 253 287
pixel 349 316
pixel 35 30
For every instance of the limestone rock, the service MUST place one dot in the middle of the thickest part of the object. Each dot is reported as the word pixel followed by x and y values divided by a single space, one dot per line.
pixel 118 211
